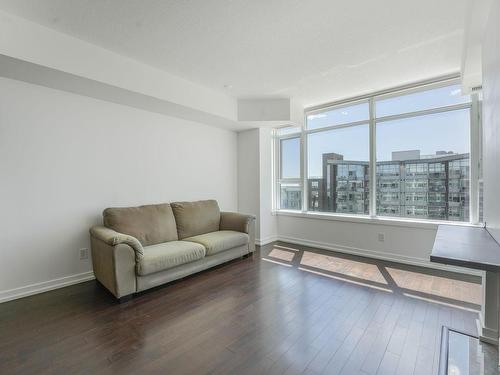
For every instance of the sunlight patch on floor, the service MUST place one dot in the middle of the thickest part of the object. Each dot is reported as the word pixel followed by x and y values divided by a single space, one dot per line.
pixel 360 270
pixel 413 284
pixel 287 256
pixel 346 280
pixel 437 286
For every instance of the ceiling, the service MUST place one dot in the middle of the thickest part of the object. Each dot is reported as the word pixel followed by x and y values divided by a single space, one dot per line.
pixel 313 51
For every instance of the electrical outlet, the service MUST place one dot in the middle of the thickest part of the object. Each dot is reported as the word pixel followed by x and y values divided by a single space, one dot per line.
pixel 381 237
pixel 84 253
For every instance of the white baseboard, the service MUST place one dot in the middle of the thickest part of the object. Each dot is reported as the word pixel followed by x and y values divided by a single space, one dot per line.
pixel 378 255
pixel 266 240
pixel 28 290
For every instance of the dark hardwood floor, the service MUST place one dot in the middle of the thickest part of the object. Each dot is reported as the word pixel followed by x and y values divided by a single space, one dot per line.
pixel 286 310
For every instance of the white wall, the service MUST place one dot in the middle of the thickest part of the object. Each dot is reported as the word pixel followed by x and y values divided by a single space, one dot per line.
pixel 248 175
pixel 491 118
pixel 268 221
pixel 491 157
pixel 255 181
pixel 64 158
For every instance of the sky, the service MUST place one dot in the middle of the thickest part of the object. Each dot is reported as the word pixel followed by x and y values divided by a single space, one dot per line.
pixel 447 131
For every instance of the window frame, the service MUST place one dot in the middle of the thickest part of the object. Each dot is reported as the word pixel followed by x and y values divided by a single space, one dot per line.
pixel 475 143
pixel 279 176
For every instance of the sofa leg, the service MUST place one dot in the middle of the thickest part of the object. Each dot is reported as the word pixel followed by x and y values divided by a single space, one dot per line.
pixel 125 298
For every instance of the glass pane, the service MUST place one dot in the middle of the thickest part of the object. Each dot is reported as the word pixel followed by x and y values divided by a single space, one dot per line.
pixel 290 158
pixel 288 130
pixel 339 115
pixel 290 196
pixel 423 167
pixel 418 101
pixel 338 176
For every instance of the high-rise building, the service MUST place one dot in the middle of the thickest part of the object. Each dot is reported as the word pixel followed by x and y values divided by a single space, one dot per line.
pixel 410 185
pixel 434 187
pixel 344 186
pixel 291 197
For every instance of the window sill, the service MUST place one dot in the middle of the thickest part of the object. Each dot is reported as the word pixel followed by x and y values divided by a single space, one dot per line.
pixel 365 219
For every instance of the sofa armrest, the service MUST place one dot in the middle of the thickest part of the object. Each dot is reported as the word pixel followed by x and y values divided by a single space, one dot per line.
pixel 236 221
pixel 240 223
pixel 114 266
pixel 114 257
pixel 113 238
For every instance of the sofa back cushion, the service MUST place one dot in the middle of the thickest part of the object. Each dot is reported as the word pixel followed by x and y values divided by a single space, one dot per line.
pixel 194 218
pixel 150 224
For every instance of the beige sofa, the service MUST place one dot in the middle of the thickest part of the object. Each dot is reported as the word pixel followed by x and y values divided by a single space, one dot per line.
pixel 138 248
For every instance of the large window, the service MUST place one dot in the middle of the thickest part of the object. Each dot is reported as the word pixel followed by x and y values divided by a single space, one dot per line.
pixel 403 154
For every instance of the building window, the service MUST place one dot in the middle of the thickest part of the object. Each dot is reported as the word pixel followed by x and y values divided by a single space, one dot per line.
pixel 417 142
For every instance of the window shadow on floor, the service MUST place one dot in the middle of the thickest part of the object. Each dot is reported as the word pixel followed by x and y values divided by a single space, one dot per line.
pixel 437 286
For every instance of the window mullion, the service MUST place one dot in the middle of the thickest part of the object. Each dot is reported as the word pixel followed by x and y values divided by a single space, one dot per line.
pixel 372 191
pixel 474 161
pixel 277 171
pixel 303 170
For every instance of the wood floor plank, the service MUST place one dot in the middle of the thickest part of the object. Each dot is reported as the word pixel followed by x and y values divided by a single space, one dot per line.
pixel 338 361
pixel 389 364
pixel 408 357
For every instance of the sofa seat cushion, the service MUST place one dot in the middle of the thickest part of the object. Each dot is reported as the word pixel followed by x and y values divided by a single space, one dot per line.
pixel 221 240
pixel 167 255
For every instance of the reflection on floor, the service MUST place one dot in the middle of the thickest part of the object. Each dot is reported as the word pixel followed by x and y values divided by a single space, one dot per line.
pixel 422 283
